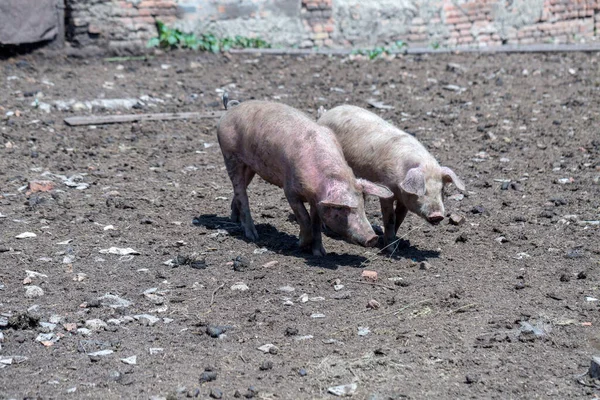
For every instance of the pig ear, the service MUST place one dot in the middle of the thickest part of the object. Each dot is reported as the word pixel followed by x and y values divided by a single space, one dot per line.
pixel 414 182
pixel 326 203
pixel 374 189
pixel 449 176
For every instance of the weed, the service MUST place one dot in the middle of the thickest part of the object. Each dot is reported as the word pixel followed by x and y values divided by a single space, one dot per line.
pixel 380 50
pixel 171 38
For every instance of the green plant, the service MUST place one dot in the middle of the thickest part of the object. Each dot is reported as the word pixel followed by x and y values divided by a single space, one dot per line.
pixel 435 45
pixel 380 50
pixel 171 38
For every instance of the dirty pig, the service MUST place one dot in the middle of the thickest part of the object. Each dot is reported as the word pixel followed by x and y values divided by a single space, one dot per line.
pixel 382 153
pixel 288 149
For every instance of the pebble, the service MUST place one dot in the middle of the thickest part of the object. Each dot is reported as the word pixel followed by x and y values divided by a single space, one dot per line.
pixel 456 219
pixel 240 264
pixel 155 350
pixel 130 360
pixel 113 301
pixel 470 379
pixel 594 371
pixel 208 376
pixel 338 287
pixel 26 235
pixel 286 289
pixel 215 331
pixel 100 353
pixel 32 292
pixel 289 331
pixel 303 298
pixel 239 286
pixel 302 372
pixel 369 275
pixel 84 331
pixel 266 365
pixel 373 304
pixel 216 394
pixel 317 315
pixel 478 210
pixel 424 265
pixel 147 319
pixel 95 325
pixel 266 348
pixel 363 330
pixel 343 390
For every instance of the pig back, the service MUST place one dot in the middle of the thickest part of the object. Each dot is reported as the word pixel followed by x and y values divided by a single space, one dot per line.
pixel 280 143
pixel 374 149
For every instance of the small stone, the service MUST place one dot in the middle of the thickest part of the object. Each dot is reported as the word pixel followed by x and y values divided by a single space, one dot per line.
pixel 26 235
pixel 147 319
pixel 266 348
pixel 95 325
pixel 582 275
pixel 302 372
pixel 343 390
pixel 363 330
pixel 594 371
pixel 32 292
pixel 240 264
pixel 424 265
pixel 456 219
pixel 369 275
pixel 84 331
pixel 338 287
pixel 470 379
pixel 286 289
pixel 240 286
pixel 501 239
pixel 565 278
pixel 303 298
pixel 478 210
pixel 266 365
pixel 317 315
pixel 291 331
pixel 373 304
pixel 208 376
pixel 216 394
pixel 215 331
pixel 100 353
pixel 130 360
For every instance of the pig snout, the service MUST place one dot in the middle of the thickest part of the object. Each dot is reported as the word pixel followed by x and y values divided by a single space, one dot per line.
pixel 435 218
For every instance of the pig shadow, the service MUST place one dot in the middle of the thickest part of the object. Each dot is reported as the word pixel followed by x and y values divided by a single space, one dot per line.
pixel 278 242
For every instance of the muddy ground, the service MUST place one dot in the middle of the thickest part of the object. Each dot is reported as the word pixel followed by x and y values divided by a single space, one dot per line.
pixel 501 306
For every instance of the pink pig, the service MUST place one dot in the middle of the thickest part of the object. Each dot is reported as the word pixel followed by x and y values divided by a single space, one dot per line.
pixel 288 149
pixel 382 153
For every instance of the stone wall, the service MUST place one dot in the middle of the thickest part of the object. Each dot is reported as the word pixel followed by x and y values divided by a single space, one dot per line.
pixel 128 24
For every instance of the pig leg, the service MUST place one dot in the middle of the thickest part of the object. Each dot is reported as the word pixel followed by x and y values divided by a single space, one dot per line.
pixel 235 211
pixel 317 242
pixel 240 208
pixel 304 220
pixel 389 221
pixel 401 211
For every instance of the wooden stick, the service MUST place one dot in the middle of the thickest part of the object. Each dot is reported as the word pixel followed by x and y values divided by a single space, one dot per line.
pixel 117 119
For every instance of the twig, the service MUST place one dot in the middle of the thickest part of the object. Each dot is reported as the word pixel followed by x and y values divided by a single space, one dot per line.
pixel 375 284
pixel 394 312
pixel 462 308
pixel 212 298
pixel 396 242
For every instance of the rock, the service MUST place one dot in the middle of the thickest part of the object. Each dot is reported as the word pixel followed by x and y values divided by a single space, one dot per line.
pixel 453 67
pixel 470 379
pixel 32 292
pixel 478 210
pixel 240 264
pixel 130 360
pixel 291 331
pixel 266 365
pixel 84 331
pixel 216 394
pixel 337 288
pixel 240 286
pixel 208 376
pixel 120 251
pixel 317 315
pixel 146 319
pixel 302 372
pixel 369 275
pixel 594 371
pixel 26 235
pixel 270 264
pixel 424 265
pixel 582 275
pixel 456 219
pixel 462 238
pixel 363 330
pixel 266 348
pixel 303 298
pixel 40 186
pixel 286 289
pixel 95 325
pixel 343 390
pixel 373 304
pixel 215 331
pixel 100 353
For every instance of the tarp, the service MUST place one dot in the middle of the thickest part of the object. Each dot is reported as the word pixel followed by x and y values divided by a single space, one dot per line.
pixel 28 21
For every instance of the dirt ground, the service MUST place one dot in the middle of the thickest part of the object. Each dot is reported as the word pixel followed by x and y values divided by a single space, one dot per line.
pixel 501 306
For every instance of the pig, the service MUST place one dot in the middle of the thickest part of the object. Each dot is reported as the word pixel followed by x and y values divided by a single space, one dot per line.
pixel 378 151
pixel 288 149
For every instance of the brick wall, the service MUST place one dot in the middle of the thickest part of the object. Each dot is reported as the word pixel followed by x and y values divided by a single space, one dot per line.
pixel 128 24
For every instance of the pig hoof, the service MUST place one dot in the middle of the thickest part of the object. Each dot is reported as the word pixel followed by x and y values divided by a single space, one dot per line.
pixel 251 233
pixel 319 252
